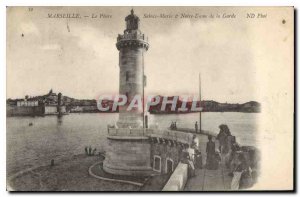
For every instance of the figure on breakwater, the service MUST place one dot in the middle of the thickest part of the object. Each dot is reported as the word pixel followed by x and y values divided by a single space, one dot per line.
pixel 211 162
pixel 198 159
pixel 237 173
pixel 240 160
pixel 221 137
pixel 195 142
pixel 173 126
pixel 187 158
pixel 222 152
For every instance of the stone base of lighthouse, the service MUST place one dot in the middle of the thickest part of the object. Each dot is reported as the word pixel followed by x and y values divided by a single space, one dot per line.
pixel 128 155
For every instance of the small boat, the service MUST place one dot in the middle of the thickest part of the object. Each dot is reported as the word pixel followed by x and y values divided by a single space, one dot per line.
pixel 30 124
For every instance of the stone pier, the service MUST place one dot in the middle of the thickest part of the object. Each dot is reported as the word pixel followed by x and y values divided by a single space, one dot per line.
pixel 141 152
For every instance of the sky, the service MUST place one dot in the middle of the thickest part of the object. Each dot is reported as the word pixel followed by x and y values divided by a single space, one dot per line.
pixel 78 57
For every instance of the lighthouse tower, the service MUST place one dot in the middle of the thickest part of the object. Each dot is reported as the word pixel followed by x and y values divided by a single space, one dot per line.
pixel 131 45
pixel 128 151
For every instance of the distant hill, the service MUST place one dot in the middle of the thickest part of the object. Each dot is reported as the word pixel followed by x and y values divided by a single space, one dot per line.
pixel 72 104
pixel 209 106
pixel 90 105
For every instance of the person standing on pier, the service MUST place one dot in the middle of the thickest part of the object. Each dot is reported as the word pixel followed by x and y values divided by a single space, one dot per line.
pixel 187 158
pixel 198 159
pixel 228 141
pixel 237 173
pixel 210 152
pixel 172 125
pixel 221 137
pixel 195 143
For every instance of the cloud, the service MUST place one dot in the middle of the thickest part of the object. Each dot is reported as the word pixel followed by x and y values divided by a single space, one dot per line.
pixel 218 50
pixel 51 47
pixel 85 51
pixel 93 39
pixel 29 28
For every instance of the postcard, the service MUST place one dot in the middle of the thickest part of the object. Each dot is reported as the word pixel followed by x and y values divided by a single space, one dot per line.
pixel 150 98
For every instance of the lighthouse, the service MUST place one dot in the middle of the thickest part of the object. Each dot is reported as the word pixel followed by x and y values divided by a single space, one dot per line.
pixel 129 150
pixel 131 45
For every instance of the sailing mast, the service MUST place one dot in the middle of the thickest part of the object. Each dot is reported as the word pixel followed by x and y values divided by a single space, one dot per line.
pixel 200 122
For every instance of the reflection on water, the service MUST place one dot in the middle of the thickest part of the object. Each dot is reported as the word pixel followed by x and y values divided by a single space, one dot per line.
pixel 59 119
pixel 60 137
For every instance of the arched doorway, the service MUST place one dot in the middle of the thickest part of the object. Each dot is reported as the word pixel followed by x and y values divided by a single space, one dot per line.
pixel 157 163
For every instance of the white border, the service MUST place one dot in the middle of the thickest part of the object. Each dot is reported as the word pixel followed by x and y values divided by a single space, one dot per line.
pixel 150 3
pixel 5 3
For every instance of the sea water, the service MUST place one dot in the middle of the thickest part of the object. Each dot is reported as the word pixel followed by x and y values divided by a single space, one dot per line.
pixel 53 137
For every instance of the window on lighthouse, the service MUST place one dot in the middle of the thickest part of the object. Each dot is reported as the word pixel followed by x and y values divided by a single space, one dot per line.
pixel 127 75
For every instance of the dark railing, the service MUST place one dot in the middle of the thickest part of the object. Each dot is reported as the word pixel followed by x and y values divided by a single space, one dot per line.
pixel 133 36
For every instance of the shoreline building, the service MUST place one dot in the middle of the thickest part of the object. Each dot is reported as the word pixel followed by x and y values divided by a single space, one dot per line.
pixel 49 104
